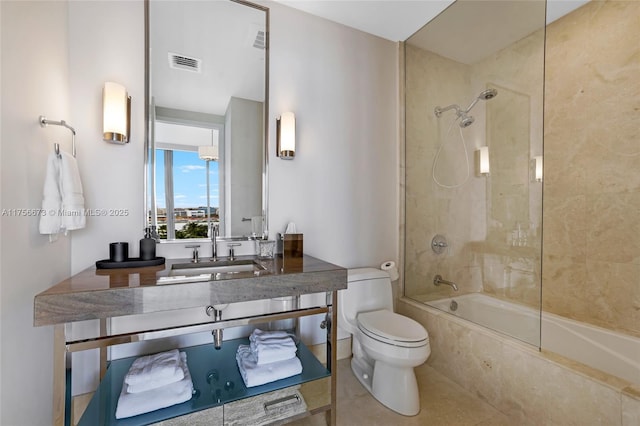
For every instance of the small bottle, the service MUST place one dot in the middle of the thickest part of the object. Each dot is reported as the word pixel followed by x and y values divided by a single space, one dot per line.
pixel 147 246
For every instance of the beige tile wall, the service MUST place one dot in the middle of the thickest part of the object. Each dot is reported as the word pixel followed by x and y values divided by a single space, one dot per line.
pixel 591 263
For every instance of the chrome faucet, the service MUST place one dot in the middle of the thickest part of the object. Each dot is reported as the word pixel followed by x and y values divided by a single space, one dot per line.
pixel 214 244
pixel 194 256
pixel 232 253
pixel 437 280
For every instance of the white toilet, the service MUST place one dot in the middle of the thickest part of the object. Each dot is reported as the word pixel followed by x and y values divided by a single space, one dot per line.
pixel 386 346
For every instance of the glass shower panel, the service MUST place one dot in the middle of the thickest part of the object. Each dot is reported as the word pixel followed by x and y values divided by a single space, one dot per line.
pixel 474 91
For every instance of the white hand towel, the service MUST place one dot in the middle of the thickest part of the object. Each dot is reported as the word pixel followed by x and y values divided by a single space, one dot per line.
pixel 157 367
pixel 133 404
pixel 155 382
pixel 256 375
pixel 273 350
pixel 50 222
pixel 258 334
pixel 71 193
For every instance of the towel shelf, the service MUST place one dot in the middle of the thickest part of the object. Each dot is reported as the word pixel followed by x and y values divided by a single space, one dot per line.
pixel 216 381
pixel 44 122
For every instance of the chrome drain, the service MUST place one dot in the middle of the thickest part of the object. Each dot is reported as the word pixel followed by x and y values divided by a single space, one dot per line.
pixel 453 306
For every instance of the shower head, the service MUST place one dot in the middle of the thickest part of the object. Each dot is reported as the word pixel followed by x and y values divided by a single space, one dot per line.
pixel 466 120
pixel 485 95
pixel 488 94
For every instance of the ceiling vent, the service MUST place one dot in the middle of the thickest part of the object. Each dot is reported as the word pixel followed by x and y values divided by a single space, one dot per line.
pixel 183 62
pixel 256 36
pixel 260 40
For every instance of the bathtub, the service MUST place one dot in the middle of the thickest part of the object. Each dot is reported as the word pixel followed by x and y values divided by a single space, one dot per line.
pixel 614 353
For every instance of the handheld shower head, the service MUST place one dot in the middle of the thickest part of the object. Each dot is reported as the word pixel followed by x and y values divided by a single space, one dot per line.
pixel 488 94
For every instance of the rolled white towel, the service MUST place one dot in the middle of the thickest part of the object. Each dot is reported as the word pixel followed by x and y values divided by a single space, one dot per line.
pixel 256 375
pixel 163 367
pixel 133 404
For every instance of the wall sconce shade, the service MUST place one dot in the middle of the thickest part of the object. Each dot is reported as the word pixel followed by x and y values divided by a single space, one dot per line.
pixel 537 167
pixel 208 153
pixel 116 109
pixel 482 161
pixel 286 136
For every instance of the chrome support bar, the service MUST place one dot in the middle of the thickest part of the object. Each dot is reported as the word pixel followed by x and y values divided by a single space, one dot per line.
pixel 104 341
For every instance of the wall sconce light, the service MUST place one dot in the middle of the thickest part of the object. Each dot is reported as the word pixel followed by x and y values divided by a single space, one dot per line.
pixel 286 136
pixel 482 161
pixel 537 168
pixel 116 109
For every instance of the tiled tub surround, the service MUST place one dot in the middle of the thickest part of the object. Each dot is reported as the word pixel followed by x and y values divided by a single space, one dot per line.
pixel 536 388
pixel 614 353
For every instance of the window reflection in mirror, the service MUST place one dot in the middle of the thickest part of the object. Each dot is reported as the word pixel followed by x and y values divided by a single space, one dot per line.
pixel 207 65
pixel 187 185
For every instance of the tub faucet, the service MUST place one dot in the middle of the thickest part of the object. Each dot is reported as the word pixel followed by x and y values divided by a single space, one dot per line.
pixel 437 280
pixel 214 243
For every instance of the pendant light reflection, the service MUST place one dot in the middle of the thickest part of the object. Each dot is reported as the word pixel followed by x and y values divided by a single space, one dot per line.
pixel 209 152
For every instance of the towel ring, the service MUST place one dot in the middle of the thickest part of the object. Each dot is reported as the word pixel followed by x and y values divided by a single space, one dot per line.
pixel 44 122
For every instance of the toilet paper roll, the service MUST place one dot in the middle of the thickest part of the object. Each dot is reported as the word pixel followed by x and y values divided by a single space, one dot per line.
pixel 390 268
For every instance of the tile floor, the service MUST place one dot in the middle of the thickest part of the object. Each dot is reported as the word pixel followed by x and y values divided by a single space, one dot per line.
pixel 443 403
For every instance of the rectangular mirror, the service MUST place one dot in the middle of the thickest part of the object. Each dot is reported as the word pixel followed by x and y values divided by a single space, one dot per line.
pixel 207 99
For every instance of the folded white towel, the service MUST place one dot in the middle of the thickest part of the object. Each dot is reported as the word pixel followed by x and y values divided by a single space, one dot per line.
pixel 272 346
pixel 255 375
pixel 274 350
pixel 71 193
pixel 262 335
pixel 50 221
pixel 155 383
pixel 155 368
pixel 132 404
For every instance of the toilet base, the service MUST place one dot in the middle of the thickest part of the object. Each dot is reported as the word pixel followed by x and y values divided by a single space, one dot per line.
pixel 394 387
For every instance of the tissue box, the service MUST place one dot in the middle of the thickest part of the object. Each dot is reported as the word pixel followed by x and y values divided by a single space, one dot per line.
pixel 292 245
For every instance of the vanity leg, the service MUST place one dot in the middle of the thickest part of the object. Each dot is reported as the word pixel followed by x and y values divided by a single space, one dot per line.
pixel 332 359
pixel 59 374
pixel 103 349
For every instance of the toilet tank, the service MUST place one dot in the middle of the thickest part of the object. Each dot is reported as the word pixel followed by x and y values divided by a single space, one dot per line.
pixel 368 289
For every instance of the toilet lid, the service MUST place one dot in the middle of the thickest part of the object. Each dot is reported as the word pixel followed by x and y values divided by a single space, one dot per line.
pixel 392 328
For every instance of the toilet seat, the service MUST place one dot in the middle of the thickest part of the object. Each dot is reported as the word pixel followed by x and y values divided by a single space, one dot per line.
pixel 393 329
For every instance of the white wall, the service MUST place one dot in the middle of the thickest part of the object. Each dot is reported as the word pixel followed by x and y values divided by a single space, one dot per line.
pixel 106 43
pixel 34 81
pixel 341 190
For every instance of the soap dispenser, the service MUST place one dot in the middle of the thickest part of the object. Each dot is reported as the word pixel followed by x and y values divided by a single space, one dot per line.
pixel 147 246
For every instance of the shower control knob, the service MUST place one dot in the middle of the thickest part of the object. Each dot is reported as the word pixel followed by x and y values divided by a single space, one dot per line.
pixel 323 324
pixel 439 243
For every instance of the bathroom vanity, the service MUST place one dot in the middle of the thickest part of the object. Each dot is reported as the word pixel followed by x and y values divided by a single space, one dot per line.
pixel 219 393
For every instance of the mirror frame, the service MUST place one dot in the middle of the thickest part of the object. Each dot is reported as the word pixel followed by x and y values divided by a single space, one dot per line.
pixel 148 155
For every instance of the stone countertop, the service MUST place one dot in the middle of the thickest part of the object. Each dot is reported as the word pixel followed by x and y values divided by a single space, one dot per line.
pixel 106 293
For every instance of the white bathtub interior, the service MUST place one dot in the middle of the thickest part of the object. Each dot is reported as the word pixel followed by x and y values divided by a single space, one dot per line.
pixel 611 352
